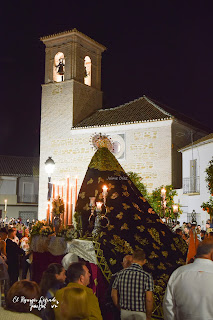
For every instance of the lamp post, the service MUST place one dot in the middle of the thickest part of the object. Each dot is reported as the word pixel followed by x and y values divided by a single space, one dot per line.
pixel 49 168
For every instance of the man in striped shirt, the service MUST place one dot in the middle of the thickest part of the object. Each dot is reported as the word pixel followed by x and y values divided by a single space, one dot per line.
pixel 132 290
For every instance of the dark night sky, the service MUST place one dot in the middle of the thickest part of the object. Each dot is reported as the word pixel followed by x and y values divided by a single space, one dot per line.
pixel 163 49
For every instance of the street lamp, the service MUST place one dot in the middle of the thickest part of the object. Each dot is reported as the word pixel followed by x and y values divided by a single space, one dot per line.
pixel 49 168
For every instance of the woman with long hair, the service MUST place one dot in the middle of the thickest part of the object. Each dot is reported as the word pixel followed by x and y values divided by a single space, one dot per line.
pixel 52 280
pixel 75 304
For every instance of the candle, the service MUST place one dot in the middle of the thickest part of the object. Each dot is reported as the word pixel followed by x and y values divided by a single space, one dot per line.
pixel 105 190
pixel 5 205
pixel 163 192
pixel 53 190
pixel 62 191
pixel 104 193
pixel 76 187
pixel 58 190
pixel 99 205
pixel 70 207
pixel 67 203
pixel 48 212
pixel 92 201
pixel 175 208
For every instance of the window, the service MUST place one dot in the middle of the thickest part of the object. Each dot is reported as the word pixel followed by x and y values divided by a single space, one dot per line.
pixel 191 184
pixel 59 67
pixel 28 191
pixel 87 67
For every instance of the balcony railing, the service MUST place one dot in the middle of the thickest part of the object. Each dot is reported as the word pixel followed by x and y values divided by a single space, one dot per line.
pixel 191 185
pixel 27 198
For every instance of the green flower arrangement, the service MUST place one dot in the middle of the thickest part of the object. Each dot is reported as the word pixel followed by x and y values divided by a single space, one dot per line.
pixel 57 206
pixel 71 234
pixel 36 228
pixel 62 232
pixel 78 220
pixel 45 231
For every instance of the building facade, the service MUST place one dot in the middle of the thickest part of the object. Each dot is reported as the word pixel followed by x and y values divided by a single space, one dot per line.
pixel 145 135
pixel 19 180
pixel 195 157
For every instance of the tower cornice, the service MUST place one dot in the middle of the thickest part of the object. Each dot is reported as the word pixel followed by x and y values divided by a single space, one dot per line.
pixel 70 34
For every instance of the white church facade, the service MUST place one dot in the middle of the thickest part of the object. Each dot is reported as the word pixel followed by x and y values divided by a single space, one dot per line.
pixel 145 134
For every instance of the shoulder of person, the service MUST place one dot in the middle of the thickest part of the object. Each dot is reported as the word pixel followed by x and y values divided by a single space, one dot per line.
pixel 180 270
pixel 89 291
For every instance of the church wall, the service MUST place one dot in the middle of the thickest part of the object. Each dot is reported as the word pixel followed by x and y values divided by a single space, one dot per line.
pixel 149 153
pixel 144 153
pixel 86 100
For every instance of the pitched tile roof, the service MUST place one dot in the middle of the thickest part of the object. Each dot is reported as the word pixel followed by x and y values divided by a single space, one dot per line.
pixel 143 109
pixel 203 140
pixel 19 166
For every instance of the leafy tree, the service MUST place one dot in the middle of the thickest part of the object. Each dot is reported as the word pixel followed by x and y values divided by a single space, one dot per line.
pixel 209 177
pixel 137 180
pixel 208 206
pixel 155 199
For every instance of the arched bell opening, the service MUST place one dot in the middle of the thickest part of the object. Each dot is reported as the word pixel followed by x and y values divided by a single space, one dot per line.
pixel 59 67
pixel 88 67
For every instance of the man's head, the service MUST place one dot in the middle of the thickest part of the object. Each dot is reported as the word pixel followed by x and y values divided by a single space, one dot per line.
pixel 15 230
pixel 139 257
pixel 193 225
pixel 127 261
pixel 11 234
pixel 179 231
pixel 205 250
pixel 186 230
pixel 210 235
pixel 3 233
pixel 202 233
pixel 78 273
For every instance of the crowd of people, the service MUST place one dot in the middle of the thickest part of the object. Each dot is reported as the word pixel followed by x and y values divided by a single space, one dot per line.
pixel 184 230
pixel 65 294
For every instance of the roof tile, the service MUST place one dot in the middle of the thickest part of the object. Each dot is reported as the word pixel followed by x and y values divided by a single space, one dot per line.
pixel 19 166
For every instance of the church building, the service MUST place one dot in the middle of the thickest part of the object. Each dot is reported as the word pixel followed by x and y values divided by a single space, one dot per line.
pixel 145 134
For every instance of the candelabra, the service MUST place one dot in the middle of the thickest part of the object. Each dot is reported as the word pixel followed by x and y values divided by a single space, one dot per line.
pixel 97 213
pixel 164 207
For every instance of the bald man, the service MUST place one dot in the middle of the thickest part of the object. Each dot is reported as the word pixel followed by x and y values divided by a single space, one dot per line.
pixel 189 291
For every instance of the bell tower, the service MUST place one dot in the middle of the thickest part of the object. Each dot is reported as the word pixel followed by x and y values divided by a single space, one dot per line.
pixel 71 92
pixel 72 75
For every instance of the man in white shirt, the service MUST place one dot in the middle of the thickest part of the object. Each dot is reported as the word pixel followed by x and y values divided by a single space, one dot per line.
pixel 190 288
